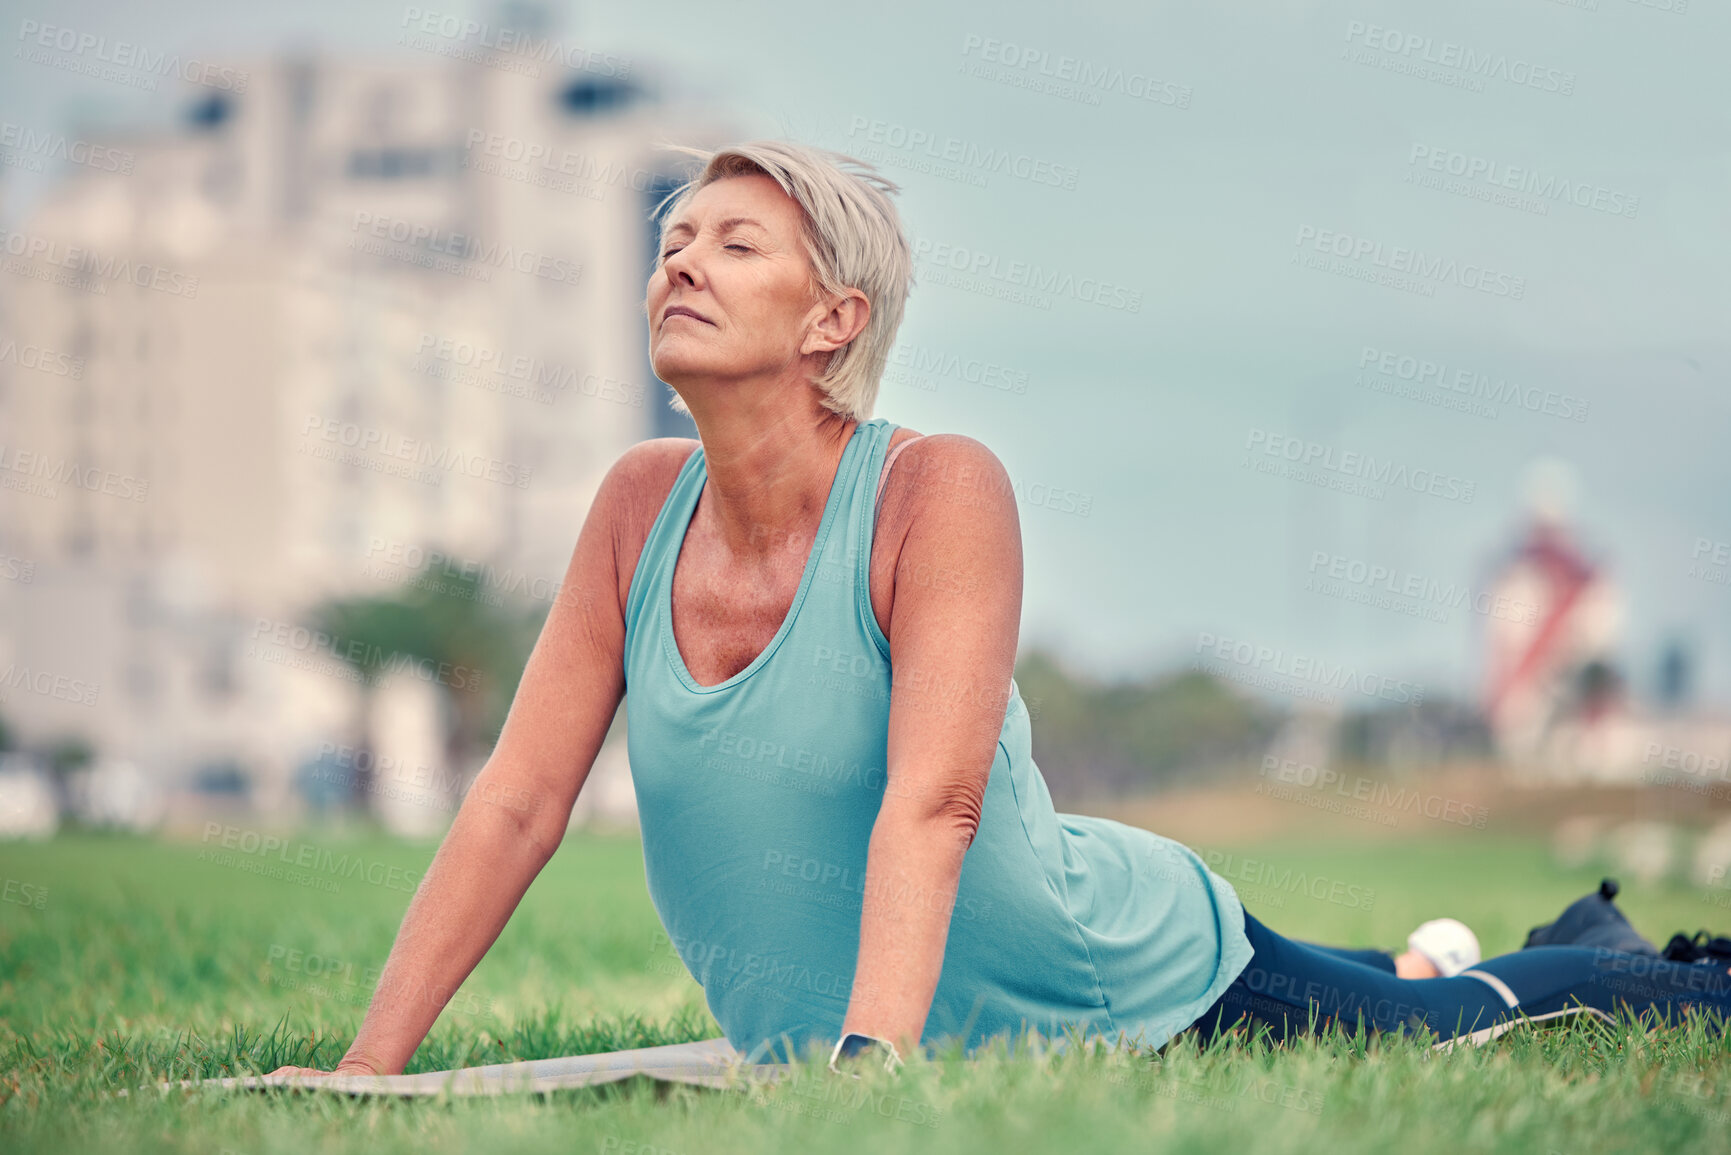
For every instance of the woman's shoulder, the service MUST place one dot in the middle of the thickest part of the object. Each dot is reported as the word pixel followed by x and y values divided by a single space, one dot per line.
pixel 637 486
pixel 644 474
pixel 953 470
pixel 657 454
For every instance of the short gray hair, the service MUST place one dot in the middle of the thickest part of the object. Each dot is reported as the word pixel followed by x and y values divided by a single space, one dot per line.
pixel 853 236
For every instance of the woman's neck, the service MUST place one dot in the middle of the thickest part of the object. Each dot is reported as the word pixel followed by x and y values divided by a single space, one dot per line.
pixel 768 480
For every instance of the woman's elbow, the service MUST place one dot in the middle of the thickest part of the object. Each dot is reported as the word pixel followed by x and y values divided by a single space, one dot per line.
pixel 516 812
pixel 957 811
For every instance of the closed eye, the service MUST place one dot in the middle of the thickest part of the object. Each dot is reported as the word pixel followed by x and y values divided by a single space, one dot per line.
pixel 740 247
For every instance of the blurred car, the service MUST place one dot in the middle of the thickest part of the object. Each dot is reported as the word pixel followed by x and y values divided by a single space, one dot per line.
pixel 116 794
pixel 29 807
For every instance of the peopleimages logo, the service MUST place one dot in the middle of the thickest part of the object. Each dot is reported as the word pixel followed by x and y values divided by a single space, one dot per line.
pixel 1279 663
pixel 1412 46
pixel 27 148
pixel 759 752
pixel 585 170
pixel 96 50
pixel 366 439
pixel 243 847
pixel 46 474
pixel 852 880
pixel 22 893
pixel 1262 873
pixel 93 268
pixel 1688 761
pixel 62 687
pixel 1374 578
pixel 1369 791
pixel 974 263
pixel 1711 561
pixel 1521 179
pixel 1085 76
pixel 928 363
pixel 354 653
pixel 43 360
pixel 503 39
pixel 1361 467
pixel 1408 262
pixel 432 569
pixel 1472 384
pixel 542 378
pixel 433 241
pixel 954 150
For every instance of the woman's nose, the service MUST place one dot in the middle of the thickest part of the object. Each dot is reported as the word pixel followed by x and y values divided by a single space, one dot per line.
pixel 681 268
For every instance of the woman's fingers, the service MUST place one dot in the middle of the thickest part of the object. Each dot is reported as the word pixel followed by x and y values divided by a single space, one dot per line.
pixel 355 1067
pixel 343 1068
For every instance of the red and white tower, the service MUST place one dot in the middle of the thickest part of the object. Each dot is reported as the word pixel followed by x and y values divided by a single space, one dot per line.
pixel 1553 668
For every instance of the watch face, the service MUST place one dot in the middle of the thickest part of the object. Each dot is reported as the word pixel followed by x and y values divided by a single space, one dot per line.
pixel 856 1043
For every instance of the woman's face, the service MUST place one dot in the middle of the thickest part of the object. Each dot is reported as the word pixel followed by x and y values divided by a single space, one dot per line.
pixel 735 258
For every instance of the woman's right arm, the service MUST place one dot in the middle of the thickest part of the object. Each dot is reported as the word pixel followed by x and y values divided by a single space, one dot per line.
pixel 515 814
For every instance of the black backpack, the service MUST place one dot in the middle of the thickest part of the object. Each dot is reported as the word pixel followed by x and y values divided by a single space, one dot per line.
pixel 1594 921
pixel 1703 948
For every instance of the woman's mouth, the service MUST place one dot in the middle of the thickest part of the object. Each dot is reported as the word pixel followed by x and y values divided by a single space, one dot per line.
pixel 682 311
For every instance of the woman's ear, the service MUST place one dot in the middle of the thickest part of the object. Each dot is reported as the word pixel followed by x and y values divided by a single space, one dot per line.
pixel 844 319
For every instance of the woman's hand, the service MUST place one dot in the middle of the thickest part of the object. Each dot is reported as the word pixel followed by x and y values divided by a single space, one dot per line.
pixel 346 1067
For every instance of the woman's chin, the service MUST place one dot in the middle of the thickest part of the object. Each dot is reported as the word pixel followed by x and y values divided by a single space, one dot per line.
pixel 675 372
pixel 670 361
pixel 677 366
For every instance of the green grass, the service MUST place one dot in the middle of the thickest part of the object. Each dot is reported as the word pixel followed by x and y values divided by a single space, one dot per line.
pixel 145 962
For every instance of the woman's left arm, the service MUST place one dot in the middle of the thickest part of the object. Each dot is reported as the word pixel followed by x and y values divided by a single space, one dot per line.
pixel 954 621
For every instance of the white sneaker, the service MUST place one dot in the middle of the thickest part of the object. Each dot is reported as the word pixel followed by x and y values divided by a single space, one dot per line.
pixel 1448 944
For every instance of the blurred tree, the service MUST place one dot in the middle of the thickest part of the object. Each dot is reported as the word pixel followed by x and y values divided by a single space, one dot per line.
pixel 62 757
pixel 1412 737
pixel 1131 737
pixel 72 752
pixel 475 643
pixel 1598 686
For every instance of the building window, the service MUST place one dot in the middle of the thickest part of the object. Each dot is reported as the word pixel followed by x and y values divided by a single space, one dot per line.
pixel 598 97
pixel 210 112
pixel 80 540
pixel 217 672
pixel 142 681
pixel 393 163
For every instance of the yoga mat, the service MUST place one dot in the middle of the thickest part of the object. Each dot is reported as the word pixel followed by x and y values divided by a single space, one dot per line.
pixel 710 1063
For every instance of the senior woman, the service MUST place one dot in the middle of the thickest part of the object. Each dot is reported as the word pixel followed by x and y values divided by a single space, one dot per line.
pixel 811 616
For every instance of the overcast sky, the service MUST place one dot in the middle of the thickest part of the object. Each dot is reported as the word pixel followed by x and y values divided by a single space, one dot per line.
pixel 1269 137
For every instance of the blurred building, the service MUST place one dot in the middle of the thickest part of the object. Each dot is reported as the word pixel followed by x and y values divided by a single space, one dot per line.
pixel 1556 662
pixel 1556 692
pixel 340 314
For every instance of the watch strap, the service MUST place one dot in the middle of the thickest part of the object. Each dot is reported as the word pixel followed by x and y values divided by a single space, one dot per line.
pixel 854 1043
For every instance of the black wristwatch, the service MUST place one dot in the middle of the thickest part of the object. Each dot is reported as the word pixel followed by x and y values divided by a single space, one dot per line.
pixel 853 1044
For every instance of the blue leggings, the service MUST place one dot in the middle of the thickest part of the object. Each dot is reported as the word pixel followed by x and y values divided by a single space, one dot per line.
pixel 1379 959
pixel 1294 988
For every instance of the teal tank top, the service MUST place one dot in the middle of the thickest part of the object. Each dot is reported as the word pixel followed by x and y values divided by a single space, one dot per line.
pixel 756 799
